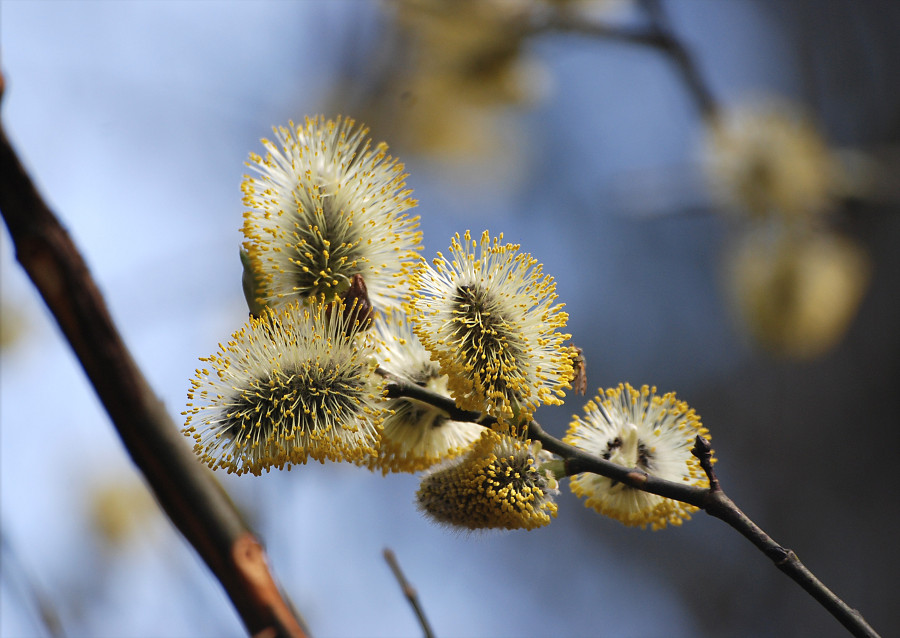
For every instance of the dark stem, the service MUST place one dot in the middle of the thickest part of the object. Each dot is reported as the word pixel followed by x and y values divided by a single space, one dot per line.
pixel 409 591
pixel 186 490
pixel 712 500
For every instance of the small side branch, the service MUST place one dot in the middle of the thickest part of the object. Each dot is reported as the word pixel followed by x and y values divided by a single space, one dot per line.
pixel 186 490
pixel 408 591
pixel 703 451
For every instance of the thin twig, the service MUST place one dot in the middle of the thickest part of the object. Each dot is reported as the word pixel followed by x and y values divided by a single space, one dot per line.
pixel 45 608
pixel 719 505
pixel 712 500
pixel 703 451
pixel 409 591
pixel 186 490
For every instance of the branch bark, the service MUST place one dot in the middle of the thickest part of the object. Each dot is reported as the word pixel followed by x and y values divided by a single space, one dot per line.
pixel 186 490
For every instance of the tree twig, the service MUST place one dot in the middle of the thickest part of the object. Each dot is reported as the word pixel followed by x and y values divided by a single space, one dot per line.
pixel 712 500
pixel 186 490
pixel 409 591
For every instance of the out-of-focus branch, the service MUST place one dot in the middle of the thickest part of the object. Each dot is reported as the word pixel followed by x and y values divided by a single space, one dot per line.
pixel 186 490
pixel 409 591
pixel 657 36
pixel 712 500
pixel 46 612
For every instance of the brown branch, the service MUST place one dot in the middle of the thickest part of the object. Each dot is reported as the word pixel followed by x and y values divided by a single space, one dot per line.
pixel 186 490
pixel 712 500
pixel 409 591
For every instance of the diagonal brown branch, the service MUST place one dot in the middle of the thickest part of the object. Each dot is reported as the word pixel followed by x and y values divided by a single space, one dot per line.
pixel 185 489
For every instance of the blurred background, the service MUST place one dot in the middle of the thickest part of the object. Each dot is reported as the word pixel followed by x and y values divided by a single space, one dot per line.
pixel 763 293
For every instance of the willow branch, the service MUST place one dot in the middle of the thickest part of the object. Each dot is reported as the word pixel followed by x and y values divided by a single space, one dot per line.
pixel 409 591
pixel 186 490
pixel 712 500
pixel 719 505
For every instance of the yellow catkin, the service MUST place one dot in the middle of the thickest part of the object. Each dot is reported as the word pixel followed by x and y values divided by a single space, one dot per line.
pixel 487 315
pixel 292 385
pixel 497 485
pixel 638 429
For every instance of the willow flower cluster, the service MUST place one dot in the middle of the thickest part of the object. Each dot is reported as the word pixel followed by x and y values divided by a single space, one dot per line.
pixel 467 62
pixel 416 435
pixel 343 307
